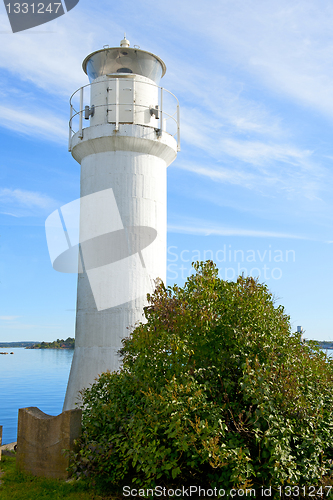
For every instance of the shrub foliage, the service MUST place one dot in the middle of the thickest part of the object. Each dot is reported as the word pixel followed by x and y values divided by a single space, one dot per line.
pixel 215 390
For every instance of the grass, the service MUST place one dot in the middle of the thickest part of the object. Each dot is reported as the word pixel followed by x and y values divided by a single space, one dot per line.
pixel 20 486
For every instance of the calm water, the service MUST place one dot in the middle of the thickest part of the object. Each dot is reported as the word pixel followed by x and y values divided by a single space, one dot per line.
pixel 31 377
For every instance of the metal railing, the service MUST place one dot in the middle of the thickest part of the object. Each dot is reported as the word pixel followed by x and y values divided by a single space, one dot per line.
pixel 165 117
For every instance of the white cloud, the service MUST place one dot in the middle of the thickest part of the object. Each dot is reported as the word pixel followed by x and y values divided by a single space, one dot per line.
pixel 8 318
pixel 259 153
pixel 268 169
pixel 22 203
pixel 44 62
pixel 38 123
pixel 221 102
pixel 207 229
pixel 284 45
pixel 50 56
pixel 220 173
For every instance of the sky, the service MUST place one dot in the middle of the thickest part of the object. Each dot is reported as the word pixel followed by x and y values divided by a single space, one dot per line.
pixel 251 188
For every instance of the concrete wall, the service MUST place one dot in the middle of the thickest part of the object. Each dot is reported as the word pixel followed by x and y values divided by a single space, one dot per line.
pixel 41 439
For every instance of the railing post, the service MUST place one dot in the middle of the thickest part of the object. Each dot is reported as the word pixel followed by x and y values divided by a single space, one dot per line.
pixel 178 128
pixel 81 113
pixel 117 104
pixel 70 128
pixel 161 113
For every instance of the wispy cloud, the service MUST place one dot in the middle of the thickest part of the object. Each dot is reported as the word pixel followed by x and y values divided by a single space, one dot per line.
pixel 260 153
pixel 269 169
pixel 284 45
pixel 221 102
pixel 220 173
pixel 208 230
pixel 53 66
pixel 39 124
pixel 8 318
pixel 22 203
pixel 51 58
pixel 248 146
pixel 46 62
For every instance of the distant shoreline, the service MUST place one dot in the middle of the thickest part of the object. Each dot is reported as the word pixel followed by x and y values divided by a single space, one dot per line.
pixel 69 343
pixel 4 345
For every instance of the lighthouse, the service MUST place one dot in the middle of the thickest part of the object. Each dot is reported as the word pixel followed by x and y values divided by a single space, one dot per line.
pixel 124 132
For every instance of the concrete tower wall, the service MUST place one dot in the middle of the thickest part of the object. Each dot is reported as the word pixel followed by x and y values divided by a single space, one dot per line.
pixel 139 185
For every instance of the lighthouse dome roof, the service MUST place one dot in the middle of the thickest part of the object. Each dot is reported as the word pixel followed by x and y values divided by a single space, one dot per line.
pixel 124 59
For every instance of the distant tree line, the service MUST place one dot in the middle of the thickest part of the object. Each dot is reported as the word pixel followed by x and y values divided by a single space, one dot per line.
pixel 16 344
pixel 323 344
pixel 56 344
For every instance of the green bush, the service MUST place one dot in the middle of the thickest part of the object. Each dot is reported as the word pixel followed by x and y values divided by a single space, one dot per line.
pixel 215 390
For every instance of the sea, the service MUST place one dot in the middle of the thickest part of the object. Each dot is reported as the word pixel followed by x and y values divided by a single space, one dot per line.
pixel 33 377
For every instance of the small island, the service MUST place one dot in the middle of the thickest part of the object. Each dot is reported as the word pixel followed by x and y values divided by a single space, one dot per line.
pixel 69 343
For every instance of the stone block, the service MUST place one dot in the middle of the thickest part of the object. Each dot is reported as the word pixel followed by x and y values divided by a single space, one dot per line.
pixel 9 450
pixel 41 439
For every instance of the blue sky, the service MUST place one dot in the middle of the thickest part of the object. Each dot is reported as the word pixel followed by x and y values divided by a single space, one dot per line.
pixel 252 186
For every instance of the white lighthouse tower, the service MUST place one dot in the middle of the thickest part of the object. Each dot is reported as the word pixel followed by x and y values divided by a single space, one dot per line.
pixel 130 139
